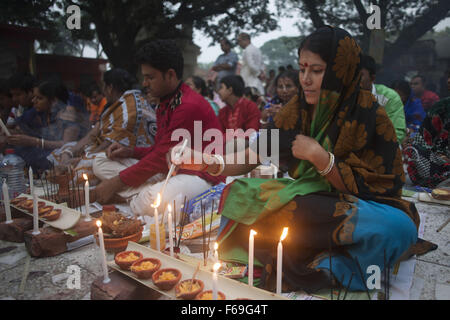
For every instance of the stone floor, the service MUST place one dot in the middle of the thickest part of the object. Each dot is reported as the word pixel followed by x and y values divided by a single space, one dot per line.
pixel 23 278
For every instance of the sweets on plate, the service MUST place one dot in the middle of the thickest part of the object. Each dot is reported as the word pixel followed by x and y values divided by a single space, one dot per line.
pixel 208 295
pixel 144 268
pixel 125 259
pixel 166 279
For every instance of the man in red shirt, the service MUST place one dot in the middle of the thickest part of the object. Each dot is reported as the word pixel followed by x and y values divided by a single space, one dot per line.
pixel 161 65
pixel 427 97
pixel 239 113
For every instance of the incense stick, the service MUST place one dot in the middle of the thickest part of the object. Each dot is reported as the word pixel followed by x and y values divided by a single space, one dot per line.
pixel 331 267
pixel 340 287
pixel 210 225
pixel 362 277
pixel 202 208
pixel 348 286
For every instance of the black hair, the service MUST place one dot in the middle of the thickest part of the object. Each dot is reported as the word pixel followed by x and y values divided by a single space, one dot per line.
pixel 199 83
pixel 227 42
pixel 403 86
pixel 236 83
pixel 162 55
pixel 291 74
pixel 94 87
pixel 49 89
pixel 422 78
pixel 253 93
pixel 4 88
pixel 367 62
pixel 244 35
pixel 281 69
pixel 120 79
pixel 318 42
pixel 22 81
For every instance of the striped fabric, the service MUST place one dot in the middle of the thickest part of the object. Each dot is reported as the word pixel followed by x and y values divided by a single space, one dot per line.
pixel 123 121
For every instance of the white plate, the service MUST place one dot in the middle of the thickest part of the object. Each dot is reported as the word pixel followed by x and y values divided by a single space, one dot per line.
pixel 69 217
pixel 232 289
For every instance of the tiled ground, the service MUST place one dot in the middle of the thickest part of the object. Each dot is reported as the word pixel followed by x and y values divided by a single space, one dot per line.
pixel 47 278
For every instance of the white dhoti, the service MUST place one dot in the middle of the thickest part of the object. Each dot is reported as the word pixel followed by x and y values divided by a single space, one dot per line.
pixel 144 196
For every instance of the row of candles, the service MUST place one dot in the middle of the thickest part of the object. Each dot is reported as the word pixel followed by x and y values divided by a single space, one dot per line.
pixel 158 245
pixel 217 264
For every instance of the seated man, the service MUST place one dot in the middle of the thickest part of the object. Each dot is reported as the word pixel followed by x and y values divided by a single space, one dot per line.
pixel 123 121
pixel 161 65
pixel 386 97
pixel 427 97
pixel 96 103
pixel 239 112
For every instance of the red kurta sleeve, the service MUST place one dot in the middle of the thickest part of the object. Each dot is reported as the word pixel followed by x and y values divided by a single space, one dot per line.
pixel 153 159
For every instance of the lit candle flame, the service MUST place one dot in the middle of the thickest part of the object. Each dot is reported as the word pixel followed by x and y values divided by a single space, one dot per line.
pixel 284 234
pixel 216 266
pixel 169 207
pixel 98 223
pixel 157 202
pixel 216 246
pixel 85 176
pixel 253 232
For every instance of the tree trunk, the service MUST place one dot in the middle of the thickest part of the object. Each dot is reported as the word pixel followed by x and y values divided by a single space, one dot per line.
pixel 413 32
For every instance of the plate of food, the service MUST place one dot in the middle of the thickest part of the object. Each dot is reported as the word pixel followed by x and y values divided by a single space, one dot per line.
pixel 55 215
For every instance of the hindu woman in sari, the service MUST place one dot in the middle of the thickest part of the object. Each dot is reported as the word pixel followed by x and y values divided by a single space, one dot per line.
pixel 342 204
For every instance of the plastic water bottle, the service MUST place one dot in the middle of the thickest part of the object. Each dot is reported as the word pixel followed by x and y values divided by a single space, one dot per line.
pixel 11 169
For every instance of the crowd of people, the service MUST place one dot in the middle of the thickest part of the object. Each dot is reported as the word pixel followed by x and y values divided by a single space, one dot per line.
pixel 347 146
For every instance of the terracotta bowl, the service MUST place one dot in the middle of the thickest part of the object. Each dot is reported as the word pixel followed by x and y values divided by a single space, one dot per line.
pixel 191 294
pixel 29 208
pixel 125 265
pixel 27 204
pixel 17 201
pixel 52 215
pixel 220 295
pixel 44 210
pixel 116 245
pixel 146 273
pixel 166 284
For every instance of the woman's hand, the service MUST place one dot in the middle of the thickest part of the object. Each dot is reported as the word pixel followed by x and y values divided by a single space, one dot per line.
pixel 274 109
pixel 23 140
pixel 306 148
pixel 118 151
pixel 265 114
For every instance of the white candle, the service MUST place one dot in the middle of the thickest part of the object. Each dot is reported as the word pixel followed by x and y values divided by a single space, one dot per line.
pixel 35 214
pixel 106 278
pixel 216 252
pixel 87 216
pixel 251 244
pixel 216 267
pixel 280 260
pixel 169 217
pixel 30 176
pixel 6 202
pixel 156 205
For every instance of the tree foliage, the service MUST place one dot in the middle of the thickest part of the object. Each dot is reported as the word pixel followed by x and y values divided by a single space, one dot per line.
pixel 281 52
pixel 121 26
pixel 404 21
